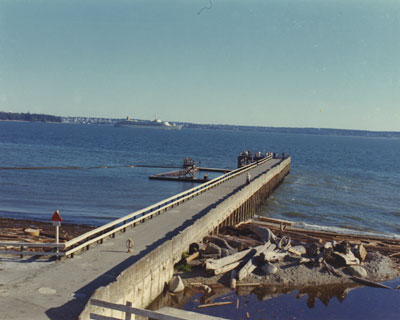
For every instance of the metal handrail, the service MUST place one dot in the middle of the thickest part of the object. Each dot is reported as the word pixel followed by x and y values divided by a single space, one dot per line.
pixel 137 216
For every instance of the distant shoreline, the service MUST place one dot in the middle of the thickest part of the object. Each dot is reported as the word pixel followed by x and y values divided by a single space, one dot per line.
pixel 26 121
pixel 41 118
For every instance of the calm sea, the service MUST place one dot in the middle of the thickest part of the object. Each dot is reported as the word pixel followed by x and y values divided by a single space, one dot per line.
pixel 339 182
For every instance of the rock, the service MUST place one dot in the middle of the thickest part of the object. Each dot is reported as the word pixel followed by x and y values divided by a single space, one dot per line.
pixel 269 268
pixel 176 284
pixel 213 249
pixel 194 247
pixel 360 252
pixel 357 271
pixel 301 249
pixel 328 245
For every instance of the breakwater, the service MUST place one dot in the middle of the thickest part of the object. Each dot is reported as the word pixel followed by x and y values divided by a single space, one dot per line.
pixel 140 283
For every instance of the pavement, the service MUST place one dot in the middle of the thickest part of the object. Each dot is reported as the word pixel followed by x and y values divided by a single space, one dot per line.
pixel 39 288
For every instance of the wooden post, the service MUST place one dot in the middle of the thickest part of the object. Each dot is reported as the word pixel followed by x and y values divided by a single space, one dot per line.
pixel 128 315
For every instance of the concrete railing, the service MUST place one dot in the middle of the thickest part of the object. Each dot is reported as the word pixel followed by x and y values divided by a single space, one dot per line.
pixel 110 229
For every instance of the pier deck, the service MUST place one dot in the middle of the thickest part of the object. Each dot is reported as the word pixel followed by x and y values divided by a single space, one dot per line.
pixel 41 289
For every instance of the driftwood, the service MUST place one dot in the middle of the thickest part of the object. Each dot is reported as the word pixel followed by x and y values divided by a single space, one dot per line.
pixel 233 279
pixel 273 256
pixel 374 242
pixel 215 304
pixel 212 248
pixel 316 248
pixel 226 268
pixel 192 257
pixel 345 259
pixel 248 284
pixel 277 221
pixel 304 260
pixel 222 243
pixel 370 283
pixel 241 242
pixel 263 233
pixel 297 250
pixel 213 264
pixel 210 256
pixel 360 252
pixel 330 269
pixel 250 266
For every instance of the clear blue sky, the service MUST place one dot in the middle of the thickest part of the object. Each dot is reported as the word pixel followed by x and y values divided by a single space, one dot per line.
pixel 329 64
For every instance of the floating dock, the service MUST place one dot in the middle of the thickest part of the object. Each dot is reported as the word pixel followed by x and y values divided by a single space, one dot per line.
pixel 180 175
pixel 188 173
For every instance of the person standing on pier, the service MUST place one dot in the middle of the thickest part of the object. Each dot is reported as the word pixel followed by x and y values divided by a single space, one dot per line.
pixel 248 178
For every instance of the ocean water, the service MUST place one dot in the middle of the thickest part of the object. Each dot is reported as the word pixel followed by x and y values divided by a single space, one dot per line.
pixel 349 183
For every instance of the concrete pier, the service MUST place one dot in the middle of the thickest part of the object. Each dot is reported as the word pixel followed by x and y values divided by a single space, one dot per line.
pixel 61 290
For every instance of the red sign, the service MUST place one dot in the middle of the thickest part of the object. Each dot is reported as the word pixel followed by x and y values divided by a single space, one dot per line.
pixel 56 217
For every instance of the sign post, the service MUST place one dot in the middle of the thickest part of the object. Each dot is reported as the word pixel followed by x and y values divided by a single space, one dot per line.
pixel 56 218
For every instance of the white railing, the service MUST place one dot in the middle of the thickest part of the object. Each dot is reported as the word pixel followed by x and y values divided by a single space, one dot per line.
pixel 111 228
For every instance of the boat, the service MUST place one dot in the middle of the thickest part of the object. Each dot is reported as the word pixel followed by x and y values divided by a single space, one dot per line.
pixel 154 124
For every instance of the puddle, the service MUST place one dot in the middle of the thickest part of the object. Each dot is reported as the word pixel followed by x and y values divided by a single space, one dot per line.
pixel 323 302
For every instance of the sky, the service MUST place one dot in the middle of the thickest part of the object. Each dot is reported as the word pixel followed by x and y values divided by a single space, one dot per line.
pixel 291 63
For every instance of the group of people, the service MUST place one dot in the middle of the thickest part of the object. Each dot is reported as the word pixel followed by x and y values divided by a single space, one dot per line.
pixel 275 155
pixel 246 157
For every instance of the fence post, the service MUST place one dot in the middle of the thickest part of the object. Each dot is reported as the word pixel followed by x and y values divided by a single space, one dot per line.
pixel 128 315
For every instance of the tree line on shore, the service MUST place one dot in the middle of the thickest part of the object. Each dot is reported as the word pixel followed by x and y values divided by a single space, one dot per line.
pixel 11 116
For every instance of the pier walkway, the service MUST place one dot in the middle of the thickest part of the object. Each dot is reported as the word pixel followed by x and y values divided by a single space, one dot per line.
pixel 44 289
